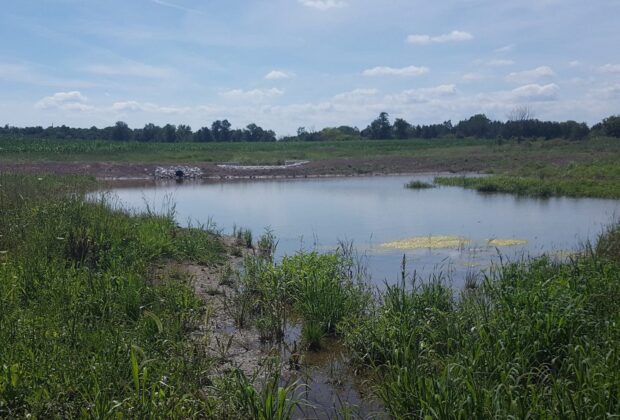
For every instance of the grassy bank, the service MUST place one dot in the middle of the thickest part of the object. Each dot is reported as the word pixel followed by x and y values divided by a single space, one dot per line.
pixel 572 180
pixel 88 328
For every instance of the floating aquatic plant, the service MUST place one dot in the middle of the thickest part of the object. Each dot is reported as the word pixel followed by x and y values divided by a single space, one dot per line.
pixel 419 242
pixel 506 242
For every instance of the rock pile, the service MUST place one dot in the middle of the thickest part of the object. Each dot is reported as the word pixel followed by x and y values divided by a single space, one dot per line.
pixel 172 172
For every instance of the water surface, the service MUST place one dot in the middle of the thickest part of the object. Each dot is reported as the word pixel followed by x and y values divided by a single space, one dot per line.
pixel 317 213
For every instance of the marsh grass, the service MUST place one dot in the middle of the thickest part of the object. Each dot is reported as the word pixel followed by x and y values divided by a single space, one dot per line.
pixel 537 339
pixel 419 185
pixel 537 180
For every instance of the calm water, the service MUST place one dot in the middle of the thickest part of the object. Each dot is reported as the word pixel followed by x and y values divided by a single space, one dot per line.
pixel 317 213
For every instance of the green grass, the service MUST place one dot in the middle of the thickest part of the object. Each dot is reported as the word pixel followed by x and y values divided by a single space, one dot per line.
pixel 419 185
pixel 87 327
pixel 573 180
pixel 538 340
pixel 487 152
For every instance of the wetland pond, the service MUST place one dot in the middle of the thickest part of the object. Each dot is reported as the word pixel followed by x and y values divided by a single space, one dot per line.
pixel 446 230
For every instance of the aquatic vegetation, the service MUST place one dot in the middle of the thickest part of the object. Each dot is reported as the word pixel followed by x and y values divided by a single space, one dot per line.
pixel 420 242
pixel 419 185
pixel 506 242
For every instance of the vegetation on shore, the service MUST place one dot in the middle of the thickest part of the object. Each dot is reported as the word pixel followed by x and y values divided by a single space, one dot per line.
pixel 419 185
pixel 88 328
pixel 574 180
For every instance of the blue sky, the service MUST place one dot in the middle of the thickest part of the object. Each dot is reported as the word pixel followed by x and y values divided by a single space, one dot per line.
pixel 313 63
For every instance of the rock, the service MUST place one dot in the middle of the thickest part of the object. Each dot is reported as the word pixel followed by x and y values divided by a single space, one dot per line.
pixel 172 172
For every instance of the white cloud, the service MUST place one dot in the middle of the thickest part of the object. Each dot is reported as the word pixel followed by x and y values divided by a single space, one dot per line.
pixel 254 94
pixel 277 75
pixel 323 4
pixel 608 92
pixel 356 96
pixel 498 63
pixel 66 101
pixel 422 95
pixel 454 36
pixel 610 68
pixel 530 76
pixel 535 92
pixel 504 49
pixel 130 69
pixel 473 77
pixel 135 106
pixel 574 63
pixel 391 71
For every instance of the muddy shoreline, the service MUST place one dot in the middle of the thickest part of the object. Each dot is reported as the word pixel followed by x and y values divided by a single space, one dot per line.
pixel 389 165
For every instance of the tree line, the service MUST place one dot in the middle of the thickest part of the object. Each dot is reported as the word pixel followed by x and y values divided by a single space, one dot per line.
pixel 220 131
pixel 520 125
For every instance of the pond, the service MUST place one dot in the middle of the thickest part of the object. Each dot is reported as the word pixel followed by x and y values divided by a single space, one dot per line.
pixel 374 212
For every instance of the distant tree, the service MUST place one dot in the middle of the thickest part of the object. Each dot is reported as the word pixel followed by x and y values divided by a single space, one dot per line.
pixel 203 135
pixel 402 129
pixel 121 132
pixel 519 120
pixel 168 133
pixel 476 126
pixel 380 128
pixel 150 133
pixel 221 130
pixel 184 133
pixel 611 125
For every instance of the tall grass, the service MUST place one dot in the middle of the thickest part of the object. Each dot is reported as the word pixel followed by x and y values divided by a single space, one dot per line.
pixel 85 330
pixel 539 340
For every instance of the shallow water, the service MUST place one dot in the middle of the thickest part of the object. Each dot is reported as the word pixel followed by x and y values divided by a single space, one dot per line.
pixel 316 213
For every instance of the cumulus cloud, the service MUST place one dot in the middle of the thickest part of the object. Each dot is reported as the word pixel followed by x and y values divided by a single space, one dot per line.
pixel 391 71
pixel 66 101
pixel 323 4
pixel 454 36
pixel 536 92
pixel 504 49
pixel 277 75
pixel 530 76
pixel 610 68
pixel 254 94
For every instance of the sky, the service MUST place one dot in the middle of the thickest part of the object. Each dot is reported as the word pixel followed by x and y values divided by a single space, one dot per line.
pixel 284 64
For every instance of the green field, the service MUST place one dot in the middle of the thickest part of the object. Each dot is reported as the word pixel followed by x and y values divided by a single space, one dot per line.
pixel 498 155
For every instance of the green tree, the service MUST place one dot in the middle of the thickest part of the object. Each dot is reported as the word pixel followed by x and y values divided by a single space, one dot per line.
pixel 121 132
pixel 611 125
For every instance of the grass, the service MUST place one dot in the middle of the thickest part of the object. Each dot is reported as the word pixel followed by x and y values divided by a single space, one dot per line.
pixel 87 330
pixel 538 339
pixel 419 185
pixel 86 327
pixel 573 180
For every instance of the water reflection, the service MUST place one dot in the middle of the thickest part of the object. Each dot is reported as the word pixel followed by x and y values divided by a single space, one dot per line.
pixel 317 213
